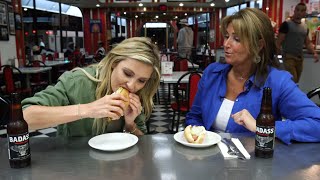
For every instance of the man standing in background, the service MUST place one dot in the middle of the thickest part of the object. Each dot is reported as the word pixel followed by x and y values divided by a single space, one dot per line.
pixel 185 39
pixel 292 36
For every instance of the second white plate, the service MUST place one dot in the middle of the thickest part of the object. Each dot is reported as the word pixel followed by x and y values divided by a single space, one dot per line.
pixel 113 141
pixel 210 139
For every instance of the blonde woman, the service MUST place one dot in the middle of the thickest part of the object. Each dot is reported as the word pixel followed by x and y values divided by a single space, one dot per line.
pixel 82 103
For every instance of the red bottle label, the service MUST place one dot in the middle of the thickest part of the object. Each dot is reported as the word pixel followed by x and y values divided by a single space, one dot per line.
pixel 18 146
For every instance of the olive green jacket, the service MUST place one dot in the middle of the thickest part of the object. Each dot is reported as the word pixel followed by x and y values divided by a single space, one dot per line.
pixel 76 88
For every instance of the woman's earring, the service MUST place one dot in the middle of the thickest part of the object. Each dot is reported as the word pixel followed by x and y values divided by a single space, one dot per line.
pixel 258 59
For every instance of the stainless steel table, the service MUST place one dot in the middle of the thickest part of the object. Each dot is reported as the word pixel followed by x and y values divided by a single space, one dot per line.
pixel 158 157
pixel 56 63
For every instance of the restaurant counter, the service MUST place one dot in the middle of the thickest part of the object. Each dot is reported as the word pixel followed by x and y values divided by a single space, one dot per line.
pixel 157 157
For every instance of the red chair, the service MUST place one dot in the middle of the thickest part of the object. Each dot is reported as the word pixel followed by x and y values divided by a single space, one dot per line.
pixel 50 57
pixel 73 62
pixel 181 65
pixel 10 82
pixel 56 54
pixel 43 57
pixel 182 105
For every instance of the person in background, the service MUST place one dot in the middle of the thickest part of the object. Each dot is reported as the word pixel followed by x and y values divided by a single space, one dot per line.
pixel 44 50
pixel 185 39
pixel 41 44
pixel 293 35
pixel 83 100
pixel 229 95
pixel 36 53
pixel 101 52
pixel 69 51
pixel 77 55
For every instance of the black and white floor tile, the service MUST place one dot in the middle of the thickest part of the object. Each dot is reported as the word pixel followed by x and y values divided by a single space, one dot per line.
pixel 160 120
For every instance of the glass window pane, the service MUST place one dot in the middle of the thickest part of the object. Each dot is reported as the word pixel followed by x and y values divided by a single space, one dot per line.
pixel 232 10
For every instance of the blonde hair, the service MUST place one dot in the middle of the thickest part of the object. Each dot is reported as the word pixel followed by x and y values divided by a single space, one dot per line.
pixel 254 27
pixel 140 49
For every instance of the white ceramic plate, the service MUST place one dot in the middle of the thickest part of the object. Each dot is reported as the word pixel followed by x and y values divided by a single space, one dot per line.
pixel 210 139
pixel 113 141
pixel 196 153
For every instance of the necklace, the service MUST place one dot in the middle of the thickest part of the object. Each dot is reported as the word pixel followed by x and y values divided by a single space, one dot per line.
pixel 234 88
pixel 240 78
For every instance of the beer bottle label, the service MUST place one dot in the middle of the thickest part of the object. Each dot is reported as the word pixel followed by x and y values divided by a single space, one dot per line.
pixel 18 146
pixel 265 137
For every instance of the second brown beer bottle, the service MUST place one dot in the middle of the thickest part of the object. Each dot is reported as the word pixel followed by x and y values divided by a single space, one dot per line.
pixel 265 130
pixel 18 135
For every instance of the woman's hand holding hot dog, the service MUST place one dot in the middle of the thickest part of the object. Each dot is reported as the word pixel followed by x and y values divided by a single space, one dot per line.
pixel 133 110
pixel 111 106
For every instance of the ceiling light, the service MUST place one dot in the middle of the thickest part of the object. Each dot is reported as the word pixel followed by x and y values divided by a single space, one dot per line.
pixel 185 14
pixel 181 4
pixel 227 0
pixel 157 17
pixel 144 9
pixel 124 12
pixel 136 16
pixel 176 17
pixel 25 9
pixel 98 5
pixel 212 4
pixel 140 4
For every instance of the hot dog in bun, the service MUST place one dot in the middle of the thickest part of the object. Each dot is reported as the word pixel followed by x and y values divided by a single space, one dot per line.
pixel 195 134
pixel 125 93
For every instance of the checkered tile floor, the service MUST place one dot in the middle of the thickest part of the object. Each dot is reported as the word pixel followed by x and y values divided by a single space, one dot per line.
pixel 160 120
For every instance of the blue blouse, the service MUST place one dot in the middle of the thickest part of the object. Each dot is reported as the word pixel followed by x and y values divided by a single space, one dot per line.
pixel 297 117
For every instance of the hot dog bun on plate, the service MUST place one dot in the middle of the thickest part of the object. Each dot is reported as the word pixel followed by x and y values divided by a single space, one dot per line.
pixel 195 134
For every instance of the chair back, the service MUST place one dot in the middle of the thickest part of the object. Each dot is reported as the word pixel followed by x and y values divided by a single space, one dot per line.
pixel 43 57
pixel 50 57
pixel 181 65
pixel 193 80
pixel 9 80
pixel 11 74
pixel 72 63
pixel 315 92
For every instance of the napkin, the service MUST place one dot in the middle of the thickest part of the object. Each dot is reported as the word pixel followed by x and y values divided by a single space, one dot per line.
pixel 239 145
pixel 224 149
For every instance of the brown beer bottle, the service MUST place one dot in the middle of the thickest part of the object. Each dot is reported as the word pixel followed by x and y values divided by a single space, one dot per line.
pixel 265 131
pixel 18 135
